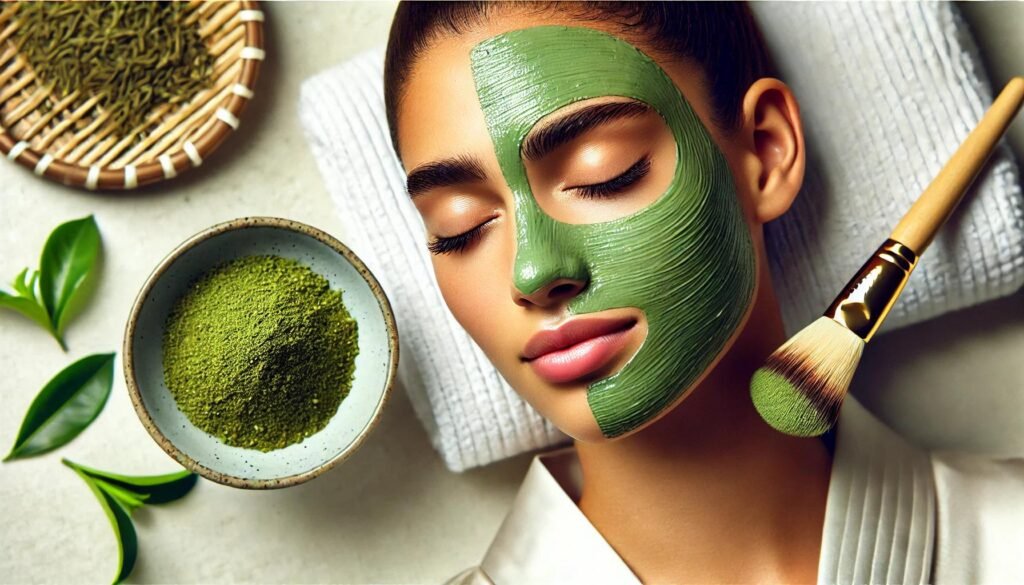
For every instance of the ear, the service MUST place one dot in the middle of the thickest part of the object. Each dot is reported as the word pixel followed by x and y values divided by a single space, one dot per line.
pixel 774 139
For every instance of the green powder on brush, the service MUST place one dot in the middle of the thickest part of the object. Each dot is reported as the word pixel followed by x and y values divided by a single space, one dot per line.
pixel 260 352
pixel 784 406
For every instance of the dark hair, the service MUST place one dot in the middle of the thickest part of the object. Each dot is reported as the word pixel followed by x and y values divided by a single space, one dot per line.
pixel 720 37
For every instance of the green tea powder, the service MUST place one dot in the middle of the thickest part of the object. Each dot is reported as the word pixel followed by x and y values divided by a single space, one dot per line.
pixel 260 352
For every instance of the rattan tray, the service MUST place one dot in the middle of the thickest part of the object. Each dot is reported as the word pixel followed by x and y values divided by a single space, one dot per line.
pixel 79 147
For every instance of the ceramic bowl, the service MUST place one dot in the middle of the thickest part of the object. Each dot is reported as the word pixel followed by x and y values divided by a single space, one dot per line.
pixel 358 413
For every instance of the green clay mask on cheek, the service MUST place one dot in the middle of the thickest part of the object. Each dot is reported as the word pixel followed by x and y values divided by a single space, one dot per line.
pixel 686 260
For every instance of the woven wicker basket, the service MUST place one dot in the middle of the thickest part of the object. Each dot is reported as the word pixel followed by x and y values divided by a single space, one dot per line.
pixel 73 142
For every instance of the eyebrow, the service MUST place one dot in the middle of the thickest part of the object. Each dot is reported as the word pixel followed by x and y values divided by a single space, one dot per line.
pixel 565 129
pixel 443 173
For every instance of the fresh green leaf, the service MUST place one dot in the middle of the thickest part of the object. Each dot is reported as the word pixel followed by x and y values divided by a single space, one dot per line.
pixel 50 295
pixel 65 406
pixel 153 489
pixel 128 499
pixel 120 495
pixel 26 301
pixel 26 306
pixel 68 258
pixel 120 521
pixel 25 284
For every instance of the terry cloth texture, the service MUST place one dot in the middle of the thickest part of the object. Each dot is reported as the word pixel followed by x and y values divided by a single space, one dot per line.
pixel 886 91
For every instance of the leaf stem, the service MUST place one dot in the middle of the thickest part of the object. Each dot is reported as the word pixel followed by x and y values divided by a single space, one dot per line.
pixel 60 340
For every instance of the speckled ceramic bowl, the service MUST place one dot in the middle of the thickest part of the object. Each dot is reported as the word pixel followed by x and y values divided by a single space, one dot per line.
pixel 358 414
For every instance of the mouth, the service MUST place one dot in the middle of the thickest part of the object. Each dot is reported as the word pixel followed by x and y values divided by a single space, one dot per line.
pixel 577 349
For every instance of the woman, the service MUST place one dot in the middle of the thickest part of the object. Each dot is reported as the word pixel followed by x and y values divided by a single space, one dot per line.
pixel 594 179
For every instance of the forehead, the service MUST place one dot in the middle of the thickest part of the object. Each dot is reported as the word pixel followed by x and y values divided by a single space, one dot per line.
pixel 440 114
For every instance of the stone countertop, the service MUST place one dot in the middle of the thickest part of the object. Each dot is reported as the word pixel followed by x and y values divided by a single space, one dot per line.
pixel 391 513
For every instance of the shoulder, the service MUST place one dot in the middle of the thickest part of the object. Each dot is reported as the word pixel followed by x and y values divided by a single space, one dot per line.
pixel 990 484
pixel 980 520
pixel 980 472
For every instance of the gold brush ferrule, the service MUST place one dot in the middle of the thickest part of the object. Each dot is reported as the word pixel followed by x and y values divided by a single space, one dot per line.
pixel 868 297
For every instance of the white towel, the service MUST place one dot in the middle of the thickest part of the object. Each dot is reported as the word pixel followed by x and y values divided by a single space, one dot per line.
pixel 887 92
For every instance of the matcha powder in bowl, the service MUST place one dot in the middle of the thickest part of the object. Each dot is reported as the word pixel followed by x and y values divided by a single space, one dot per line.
pixel 260 352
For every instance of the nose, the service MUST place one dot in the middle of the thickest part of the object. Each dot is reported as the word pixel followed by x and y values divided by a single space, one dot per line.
pixel 549 267
pixel 551 294
pixel 546 274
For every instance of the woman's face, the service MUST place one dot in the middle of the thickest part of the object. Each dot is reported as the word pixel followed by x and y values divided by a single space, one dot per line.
pixel 582 216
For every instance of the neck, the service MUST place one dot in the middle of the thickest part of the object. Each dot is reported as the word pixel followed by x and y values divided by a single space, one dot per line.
pixel 710 493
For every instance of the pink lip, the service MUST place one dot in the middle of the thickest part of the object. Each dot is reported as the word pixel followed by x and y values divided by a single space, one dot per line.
pixel 577 348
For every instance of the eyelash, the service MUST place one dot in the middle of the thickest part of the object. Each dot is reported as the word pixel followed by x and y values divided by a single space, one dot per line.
pixel 614 186
pixel 458 243
pixel 455 244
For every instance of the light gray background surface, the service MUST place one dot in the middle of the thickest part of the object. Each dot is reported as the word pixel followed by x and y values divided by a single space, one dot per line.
pixel 392 513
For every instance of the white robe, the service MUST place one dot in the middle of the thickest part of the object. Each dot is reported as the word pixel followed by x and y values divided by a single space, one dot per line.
pixel 894 514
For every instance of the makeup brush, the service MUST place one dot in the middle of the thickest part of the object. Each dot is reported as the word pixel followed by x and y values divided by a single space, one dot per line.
pixel 802 385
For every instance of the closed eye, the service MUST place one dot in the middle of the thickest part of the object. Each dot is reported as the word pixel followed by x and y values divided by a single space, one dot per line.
pixel 617 185
pixel 457 243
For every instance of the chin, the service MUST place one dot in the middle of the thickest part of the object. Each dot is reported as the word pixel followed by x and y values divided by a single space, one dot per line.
pixel 582 426
pixel 589 434
pixel 588 431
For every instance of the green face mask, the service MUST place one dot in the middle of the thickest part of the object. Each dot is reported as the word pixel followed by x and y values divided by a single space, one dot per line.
pixel 685 260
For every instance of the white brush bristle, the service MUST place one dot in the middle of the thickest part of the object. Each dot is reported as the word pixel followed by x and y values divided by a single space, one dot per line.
pixel 831 350
pixel 801 387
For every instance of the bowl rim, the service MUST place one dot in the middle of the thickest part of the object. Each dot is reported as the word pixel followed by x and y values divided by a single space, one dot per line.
pixel 135 393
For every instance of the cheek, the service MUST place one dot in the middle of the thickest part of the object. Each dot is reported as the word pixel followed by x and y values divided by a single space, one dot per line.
pixel 745 170
pixel 467 295
pixel 475 288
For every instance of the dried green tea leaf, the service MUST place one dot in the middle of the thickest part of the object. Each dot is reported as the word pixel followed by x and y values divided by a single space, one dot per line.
pixel 65 406
pixel 131 56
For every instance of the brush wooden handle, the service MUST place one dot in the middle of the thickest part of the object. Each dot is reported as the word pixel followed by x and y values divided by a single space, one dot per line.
pixel 936 204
